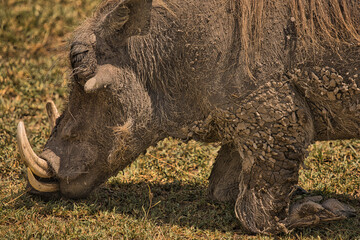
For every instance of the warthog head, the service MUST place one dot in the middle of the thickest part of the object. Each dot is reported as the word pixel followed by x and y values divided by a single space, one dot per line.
pixel 109 115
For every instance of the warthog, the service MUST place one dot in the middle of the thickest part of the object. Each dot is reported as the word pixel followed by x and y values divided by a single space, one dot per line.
pixel 264 78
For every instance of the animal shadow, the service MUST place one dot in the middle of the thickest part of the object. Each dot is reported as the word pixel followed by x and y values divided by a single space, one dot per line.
pixel 188 205
pixel 175 203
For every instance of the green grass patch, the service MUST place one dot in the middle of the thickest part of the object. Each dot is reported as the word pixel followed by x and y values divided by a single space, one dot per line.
pixel 163 195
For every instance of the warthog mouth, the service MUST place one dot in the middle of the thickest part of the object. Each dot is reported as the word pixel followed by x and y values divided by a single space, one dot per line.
pixel 39 174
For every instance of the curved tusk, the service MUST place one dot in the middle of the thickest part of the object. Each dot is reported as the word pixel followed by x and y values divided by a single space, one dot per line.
pixel 41 187
pixel 52 112
pixel 38 165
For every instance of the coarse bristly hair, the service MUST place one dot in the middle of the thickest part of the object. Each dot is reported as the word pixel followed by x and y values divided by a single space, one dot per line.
pixel 320 24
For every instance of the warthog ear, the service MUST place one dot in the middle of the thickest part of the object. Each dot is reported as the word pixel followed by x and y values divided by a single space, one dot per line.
pixel 127 18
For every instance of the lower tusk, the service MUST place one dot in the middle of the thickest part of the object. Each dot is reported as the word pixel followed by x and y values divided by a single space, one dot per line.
pixel 38 165
pixel 52 112
pixel 40 186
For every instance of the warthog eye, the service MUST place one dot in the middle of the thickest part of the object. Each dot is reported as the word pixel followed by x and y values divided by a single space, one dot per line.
pixel 81 60
pixel 76 58
pixel 78 52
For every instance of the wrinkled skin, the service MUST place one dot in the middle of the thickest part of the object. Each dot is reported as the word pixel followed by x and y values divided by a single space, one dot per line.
pixel 173 71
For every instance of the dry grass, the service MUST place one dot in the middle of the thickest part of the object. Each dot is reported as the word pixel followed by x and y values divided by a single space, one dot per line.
pixel 163 194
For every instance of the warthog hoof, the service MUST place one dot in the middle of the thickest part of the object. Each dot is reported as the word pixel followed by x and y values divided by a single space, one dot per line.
pixel 309 211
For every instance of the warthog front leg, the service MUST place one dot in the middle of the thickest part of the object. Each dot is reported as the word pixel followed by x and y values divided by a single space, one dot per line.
pixel 224 178
pixel 266 184
pixel 271 129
